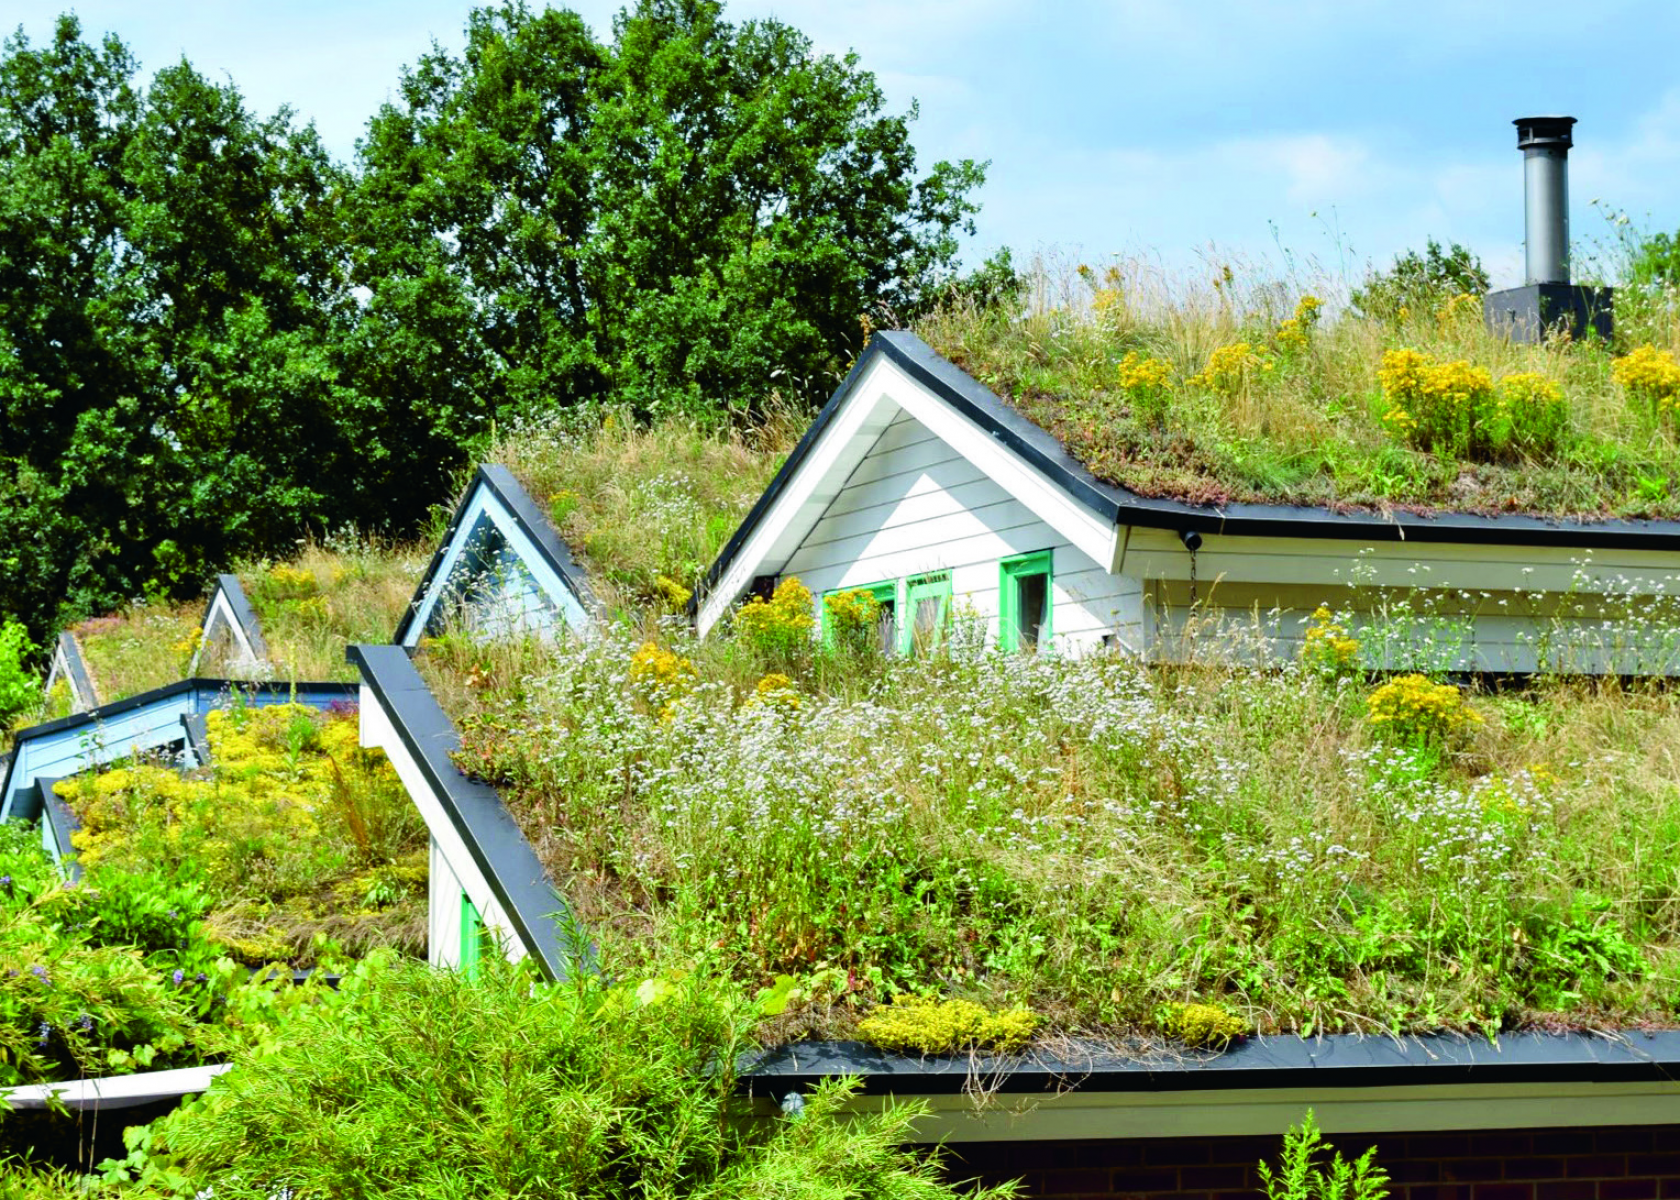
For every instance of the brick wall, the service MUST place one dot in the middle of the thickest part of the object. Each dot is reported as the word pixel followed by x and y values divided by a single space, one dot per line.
pixel 1637 1163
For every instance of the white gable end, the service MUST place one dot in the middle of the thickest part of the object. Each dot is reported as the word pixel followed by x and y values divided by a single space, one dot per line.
pixel 900 477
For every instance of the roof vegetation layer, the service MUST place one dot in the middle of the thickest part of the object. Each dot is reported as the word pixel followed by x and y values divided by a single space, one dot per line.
pixel 1245 389
pixel 1104 843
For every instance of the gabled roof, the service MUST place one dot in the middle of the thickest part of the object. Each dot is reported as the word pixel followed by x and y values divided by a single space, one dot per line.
pixel 480 831
pixel 147 722
pixel 228 609
pixel 494 500
pixel 962 405
pixel 68 664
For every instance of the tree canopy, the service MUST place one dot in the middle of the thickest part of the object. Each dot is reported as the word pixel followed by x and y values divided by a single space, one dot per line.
pixel 214 338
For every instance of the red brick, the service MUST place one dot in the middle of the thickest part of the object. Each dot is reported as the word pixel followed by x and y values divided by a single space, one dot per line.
pixel 1628 1189
pixel 1623 1141
pixel 1072 1183
pixel 1438 1145
pixel 1472 1170
pixel 1214 1178
pixel 1573 1189
pixel 1661 1165
pixel 1501 1144
pixel 1671 1189
pixel 1439 1191
pixel 1145 1181
pixel 1404 1171
pixel 1503 1191
pixel 1176 1152
pixel 1534 1168
pixel 1566 1141
pixel 1597 1166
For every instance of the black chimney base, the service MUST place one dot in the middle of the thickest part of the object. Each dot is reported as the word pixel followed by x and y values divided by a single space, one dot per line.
pixel 1531 312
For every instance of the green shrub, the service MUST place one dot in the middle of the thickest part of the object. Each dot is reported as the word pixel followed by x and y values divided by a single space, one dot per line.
pixel 502 1086
pixel 19 688
pixel 1300 1177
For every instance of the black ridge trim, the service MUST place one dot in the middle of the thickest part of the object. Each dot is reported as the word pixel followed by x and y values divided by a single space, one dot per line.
pixel 64 822
pixel 243 613
pixel 530 519
pixel 540 916
pixel 1126 507
pixel 129 703
pixel 1334 1061
pixel 81 680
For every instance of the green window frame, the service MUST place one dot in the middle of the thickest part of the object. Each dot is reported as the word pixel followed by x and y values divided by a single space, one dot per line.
pixel 886 595
pixel 472 937
pixel 1024 584
pixel 927 596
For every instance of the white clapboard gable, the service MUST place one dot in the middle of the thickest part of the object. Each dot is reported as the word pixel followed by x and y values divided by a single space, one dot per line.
pixel 230 638
pixel 914 470
pixel 500 569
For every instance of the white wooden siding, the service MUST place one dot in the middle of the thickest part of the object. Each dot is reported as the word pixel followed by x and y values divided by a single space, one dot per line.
pixel 913 505
pixel 1499 608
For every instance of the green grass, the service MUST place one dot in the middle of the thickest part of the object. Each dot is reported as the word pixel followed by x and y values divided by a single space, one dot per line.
pixel 143 646
pixel 1101 841
pixel 1304 424
pixel 640 504
pixel 352 589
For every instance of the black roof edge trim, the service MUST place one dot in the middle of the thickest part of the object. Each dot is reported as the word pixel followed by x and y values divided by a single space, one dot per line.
pixel 81 679
pixel 198 736
pixel 240 605
pixel 64 822
pixel 141 699
pixel 1125 507
pixel 1332 1061
pixel 530 519
pixel 497 844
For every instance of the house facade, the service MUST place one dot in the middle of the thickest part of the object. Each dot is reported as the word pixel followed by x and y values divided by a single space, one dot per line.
pixel 917 484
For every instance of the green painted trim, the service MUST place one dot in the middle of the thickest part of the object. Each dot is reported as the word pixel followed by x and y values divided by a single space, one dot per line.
pixel 1010 572
pixel 472 937
pixel 925 587
pixel 886 592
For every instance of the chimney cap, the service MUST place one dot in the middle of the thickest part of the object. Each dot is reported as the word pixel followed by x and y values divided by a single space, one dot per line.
pixel 1537 132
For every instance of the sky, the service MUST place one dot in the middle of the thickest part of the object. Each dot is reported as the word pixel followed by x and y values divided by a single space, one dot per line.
pixel 1191 132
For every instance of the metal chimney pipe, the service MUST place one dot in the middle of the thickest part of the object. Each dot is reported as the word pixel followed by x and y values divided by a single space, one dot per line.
pixel 1545 143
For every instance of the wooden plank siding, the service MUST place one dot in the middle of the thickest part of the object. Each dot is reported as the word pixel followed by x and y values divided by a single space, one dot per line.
pixel 1430 605
pixel 913 505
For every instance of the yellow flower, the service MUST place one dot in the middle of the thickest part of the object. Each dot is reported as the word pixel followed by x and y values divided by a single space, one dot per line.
pixel 1230 368
pixel 1328 647
pixel 1139 371
pixel 777 691
pixel 1651 375
pixel 1413 708
pixel 780 624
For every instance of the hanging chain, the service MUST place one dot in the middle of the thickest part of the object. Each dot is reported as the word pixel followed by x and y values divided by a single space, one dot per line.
pixel 1192 579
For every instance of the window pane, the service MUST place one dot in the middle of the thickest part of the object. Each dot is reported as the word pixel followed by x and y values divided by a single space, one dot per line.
pixel 887 626
pixel 925 632
pixel 1032 602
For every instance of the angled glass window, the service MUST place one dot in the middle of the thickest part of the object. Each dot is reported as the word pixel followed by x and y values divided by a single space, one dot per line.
pixel 1024 601
pixel 927 613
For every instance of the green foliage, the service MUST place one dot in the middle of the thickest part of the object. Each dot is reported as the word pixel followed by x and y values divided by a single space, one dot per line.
pixel 927 1026
pixel 1420 282
pixel 1204 1026
pixel 1299 1175
pixel 20 686
pixel 595 1091
pixel 778 628
pixel 1096 839
pixel 680 218
pixel 275 849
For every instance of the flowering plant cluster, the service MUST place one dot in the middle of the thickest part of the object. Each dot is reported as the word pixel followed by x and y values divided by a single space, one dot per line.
pixel 1652 376
pixel 1295 333
pixel 852 619
pixel 1328 649
pixel 781 626
pixel 1415 710
pixel 1454 407
pixel 1231 369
